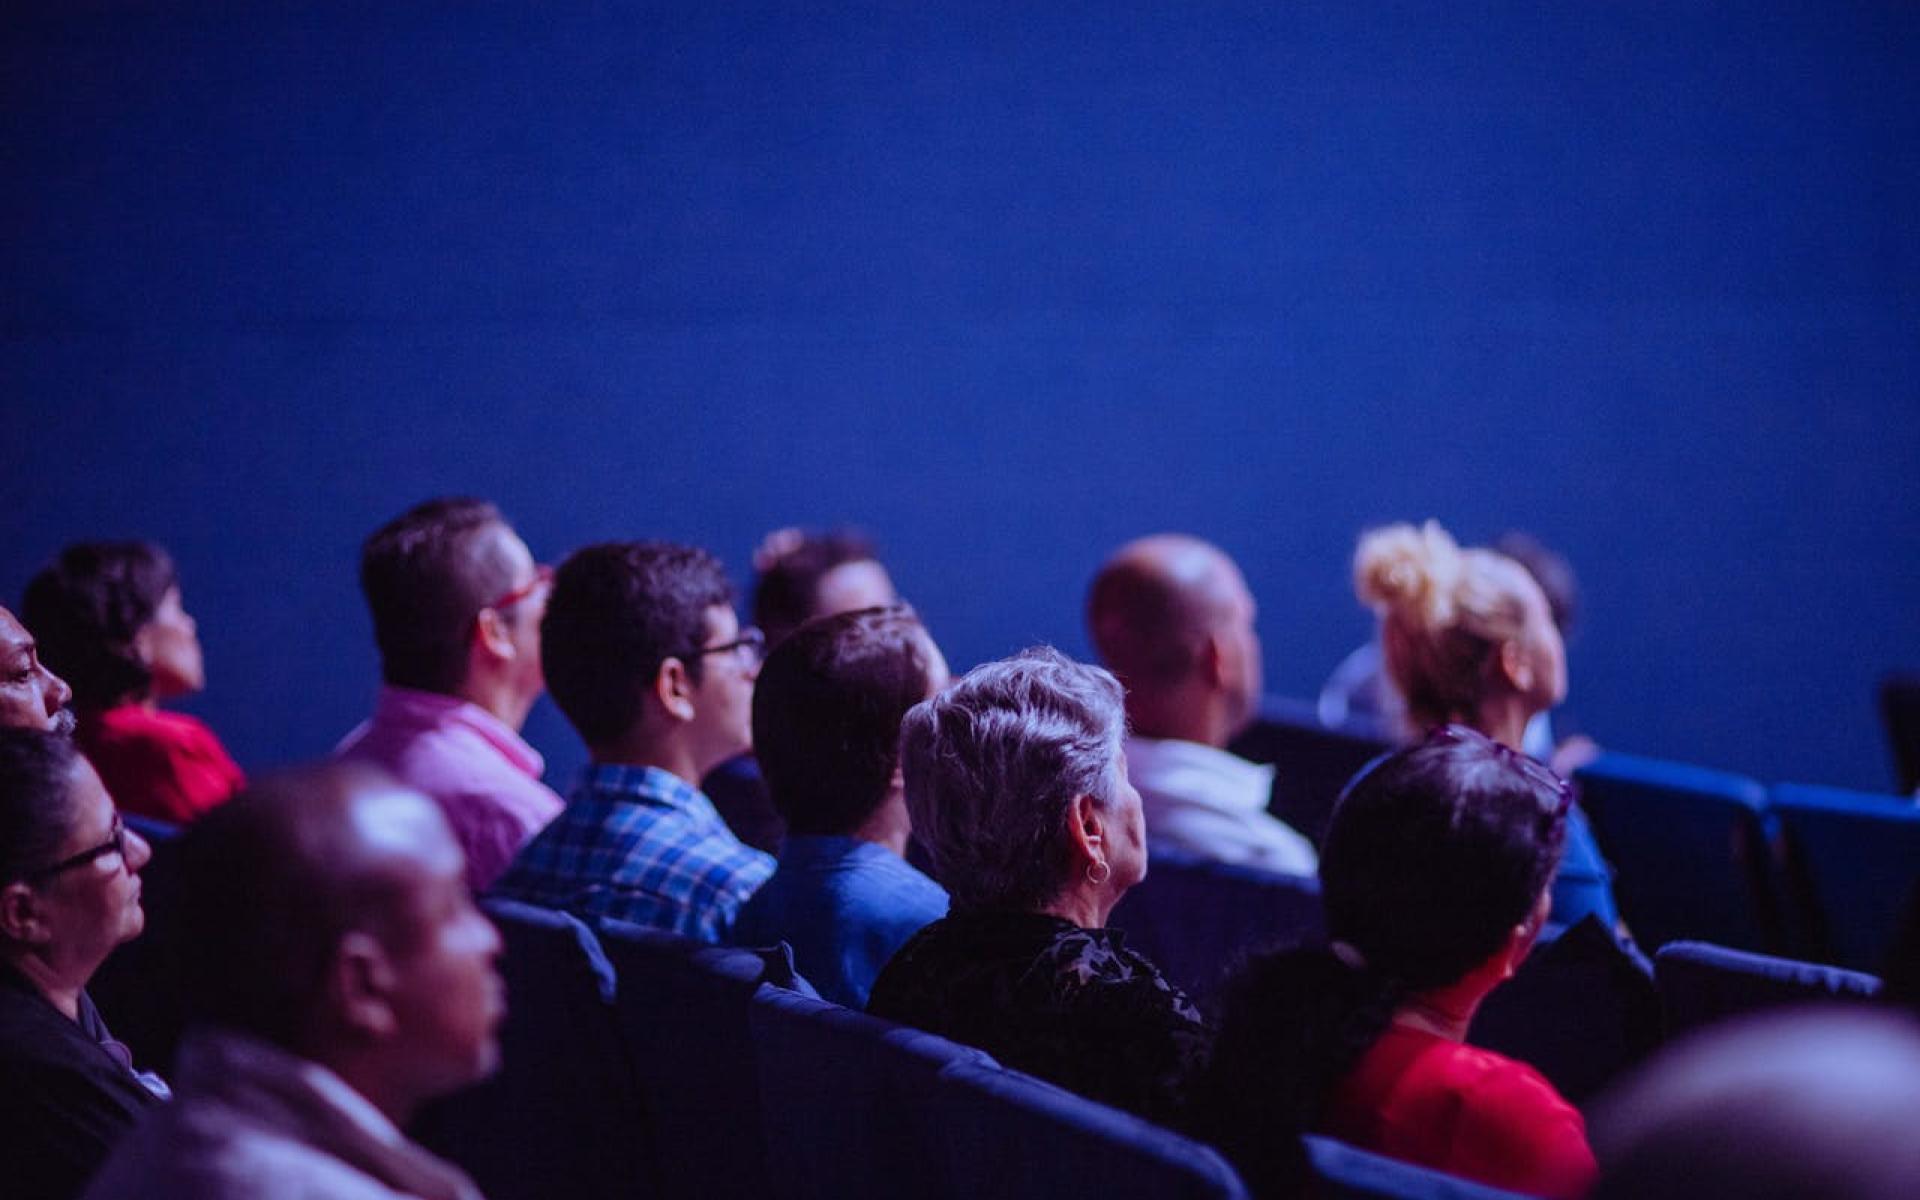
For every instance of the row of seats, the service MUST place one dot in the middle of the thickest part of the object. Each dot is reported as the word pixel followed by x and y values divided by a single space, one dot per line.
pixel 640 1063
pixel 1820 873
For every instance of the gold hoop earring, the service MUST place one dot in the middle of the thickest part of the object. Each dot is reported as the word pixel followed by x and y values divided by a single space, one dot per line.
pixel 1104 872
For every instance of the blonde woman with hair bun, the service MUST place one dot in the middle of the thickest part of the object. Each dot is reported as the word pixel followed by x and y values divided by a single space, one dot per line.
pixel 1468 638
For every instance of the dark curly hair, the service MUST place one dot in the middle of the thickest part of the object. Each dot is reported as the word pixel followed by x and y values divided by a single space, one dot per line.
pixel 36 815
pixel 85 609
pixel 1435 853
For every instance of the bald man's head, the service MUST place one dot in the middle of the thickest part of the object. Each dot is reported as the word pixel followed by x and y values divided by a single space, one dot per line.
pixel 1171 611
pixel 325 909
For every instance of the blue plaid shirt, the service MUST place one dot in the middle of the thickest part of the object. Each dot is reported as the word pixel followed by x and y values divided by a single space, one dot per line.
pixel 639 844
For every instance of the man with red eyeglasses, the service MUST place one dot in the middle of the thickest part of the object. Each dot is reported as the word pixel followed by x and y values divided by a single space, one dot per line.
pixel 456 600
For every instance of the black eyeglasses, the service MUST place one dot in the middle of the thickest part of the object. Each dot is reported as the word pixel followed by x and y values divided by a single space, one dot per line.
pixel 116 843
pixel 750 645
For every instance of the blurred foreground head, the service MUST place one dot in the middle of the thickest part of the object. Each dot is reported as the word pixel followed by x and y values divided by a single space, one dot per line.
pixel 326 911
pixel 1817 1103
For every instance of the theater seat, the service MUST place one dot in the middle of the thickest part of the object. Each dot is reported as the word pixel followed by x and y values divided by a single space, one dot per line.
pixel 1311 762
pixel 1702 983
pixel 1343 1172
pixel 1853 859
pixel 1690 850
pixel 562 1117
pixel 841 1093
pixel 1001 1134
pixel 1196 920
pixel 682 1010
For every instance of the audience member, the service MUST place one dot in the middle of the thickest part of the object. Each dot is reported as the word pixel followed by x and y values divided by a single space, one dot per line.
pixel 456 600
pixel 826 728
pixel 1360 689
pixel 69 893
pixel 1781 1106
pixel 31 696
pixel 338 976
pixel 1434 877
pixel 1017 785
pixel 798 576
pixel 1468 637
pixel 648 661
pixel 109 619
pixel 1172 617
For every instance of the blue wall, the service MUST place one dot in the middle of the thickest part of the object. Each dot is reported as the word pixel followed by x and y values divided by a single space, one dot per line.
pixel 1006 287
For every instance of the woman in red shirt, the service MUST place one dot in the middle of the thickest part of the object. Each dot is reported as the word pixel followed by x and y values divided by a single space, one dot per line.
pixel 1435 880
pixel 108 617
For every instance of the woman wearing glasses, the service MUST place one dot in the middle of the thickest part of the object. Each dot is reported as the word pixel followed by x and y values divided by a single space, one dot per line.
pixel 1435 881
pixel 69 893
pixel 108 617
pixel 1468 637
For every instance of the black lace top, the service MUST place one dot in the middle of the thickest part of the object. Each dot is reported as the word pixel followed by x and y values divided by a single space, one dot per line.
pixel 1070 1005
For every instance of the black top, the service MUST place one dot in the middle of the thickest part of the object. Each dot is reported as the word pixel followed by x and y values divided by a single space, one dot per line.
pixel 65 1094
pixel 1042 995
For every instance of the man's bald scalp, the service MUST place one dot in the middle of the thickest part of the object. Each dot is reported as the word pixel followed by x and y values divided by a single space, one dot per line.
pixel 1153 604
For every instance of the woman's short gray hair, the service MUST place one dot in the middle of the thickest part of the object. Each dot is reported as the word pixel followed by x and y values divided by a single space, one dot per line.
pixel 993 763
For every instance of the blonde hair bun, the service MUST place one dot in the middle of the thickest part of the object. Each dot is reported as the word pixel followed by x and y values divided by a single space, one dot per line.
pixel 1411 572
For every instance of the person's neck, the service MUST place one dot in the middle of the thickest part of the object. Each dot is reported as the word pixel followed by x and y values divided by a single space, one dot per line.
pixel 1504 720
pixel 1084 905
pixel 56 985
pixel 364 1075
pixel 1445 1012
pixel 1187 714
pixel 668 754
pixel 888 826
pixel 500 698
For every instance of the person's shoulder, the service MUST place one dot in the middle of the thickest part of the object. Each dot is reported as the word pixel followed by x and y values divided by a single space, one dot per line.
pixel 1494 1086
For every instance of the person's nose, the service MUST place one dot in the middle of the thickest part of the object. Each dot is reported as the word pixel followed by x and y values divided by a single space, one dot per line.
pixel 56 691
pixel 139 851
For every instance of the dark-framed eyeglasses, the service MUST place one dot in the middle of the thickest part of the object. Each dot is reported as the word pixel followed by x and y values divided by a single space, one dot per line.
pixel 542 576
pixel 116 843
pixel 751 646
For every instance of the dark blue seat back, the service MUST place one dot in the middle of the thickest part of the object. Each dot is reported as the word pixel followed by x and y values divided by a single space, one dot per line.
pixel 1702 983
pixel 842 1092
pixel 1012 1137
pixel 1196 920
pixel 562 1117
pixel 1343 1172
pixel 683 1012
pixel 1690 850
pixel 1311 762
pixel 1900 714
pixel 1853 858
pixel 1581 1010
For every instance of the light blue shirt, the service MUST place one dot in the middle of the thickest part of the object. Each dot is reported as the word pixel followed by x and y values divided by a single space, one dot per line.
pixel 845 906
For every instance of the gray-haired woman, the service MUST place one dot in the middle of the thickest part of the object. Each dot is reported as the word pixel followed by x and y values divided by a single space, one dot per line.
pixel 1018 789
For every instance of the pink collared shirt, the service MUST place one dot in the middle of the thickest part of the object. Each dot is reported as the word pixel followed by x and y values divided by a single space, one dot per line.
pixel 484 776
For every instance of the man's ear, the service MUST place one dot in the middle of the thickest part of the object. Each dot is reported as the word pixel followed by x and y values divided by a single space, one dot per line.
pixel 1211 659
pixel 491 634
pixel 673 688
pixel 20 918
pixel 360 984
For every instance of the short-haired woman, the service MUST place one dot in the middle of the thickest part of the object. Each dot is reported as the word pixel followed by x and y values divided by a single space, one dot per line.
pixel 69 893
pixel 1468 638
pixel 108 617
pixel 1017 787
pixel 1434 877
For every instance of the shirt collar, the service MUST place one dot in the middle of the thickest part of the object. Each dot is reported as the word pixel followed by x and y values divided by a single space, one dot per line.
pixel 1151 760
pixel 410 706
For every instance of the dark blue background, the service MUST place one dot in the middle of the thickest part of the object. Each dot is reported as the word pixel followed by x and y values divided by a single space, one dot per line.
pixel 1005 284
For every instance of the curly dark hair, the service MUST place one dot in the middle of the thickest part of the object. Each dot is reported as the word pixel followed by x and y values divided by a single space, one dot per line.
pixel 85 609
pixel 35 813
pixel 1435 853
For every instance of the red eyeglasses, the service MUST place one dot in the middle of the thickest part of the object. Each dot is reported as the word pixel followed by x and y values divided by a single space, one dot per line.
pixel 542 576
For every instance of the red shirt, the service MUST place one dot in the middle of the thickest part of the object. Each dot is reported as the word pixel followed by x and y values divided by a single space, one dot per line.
pixel 1470 1112
pixel 158 764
